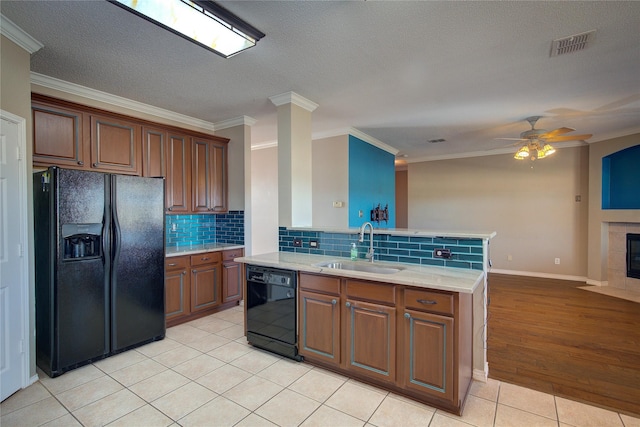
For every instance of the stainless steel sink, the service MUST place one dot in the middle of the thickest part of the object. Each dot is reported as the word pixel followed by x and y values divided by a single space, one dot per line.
pixel 359 266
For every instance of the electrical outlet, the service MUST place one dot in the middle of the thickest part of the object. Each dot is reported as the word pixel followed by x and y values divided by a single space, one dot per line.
pixel 509 257
pixel 297 242
pixel 442 253
pixel 314 244
pixel 557 261
pixel 360 214
pixel 338 204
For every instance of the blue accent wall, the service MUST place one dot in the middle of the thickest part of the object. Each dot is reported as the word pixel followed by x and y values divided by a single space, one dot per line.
pixel 621 179
pixel 372 181
pixel 205 228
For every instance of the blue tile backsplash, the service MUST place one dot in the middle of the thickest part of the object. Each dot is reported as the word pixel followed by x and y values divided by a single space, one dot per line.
pixel 466 253
pixel 205 228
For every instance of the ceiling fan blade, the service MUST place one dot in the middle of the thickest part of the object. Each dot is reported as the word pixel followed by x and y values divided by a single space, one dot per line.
pixel 558 131
pixel 512 139
pixel 569 138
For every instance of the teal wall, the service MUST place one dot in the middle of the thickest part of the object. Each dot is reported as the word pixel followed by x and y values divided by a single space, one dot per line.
pixel 372 181
pixel 621 179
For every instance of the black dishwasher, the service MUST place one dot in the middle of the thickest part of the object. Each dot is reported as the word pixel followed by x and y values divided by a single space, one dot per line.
pixel 271 310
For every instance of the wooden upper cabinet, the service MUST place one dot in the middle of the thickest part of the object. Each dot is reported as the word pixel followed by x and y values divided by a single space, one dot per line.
pixel 178 192
pixel 209 175
pixel 154 152
pixel 58 136
pixel 115 145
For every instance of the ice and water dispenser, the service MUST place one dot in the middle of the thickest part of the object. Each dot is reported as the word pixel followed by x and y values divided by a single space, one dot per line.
pixel 81 241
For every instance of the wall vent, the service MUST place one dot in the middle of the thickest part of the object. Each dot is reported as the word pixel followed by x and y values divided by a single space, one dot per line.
pixel 572 43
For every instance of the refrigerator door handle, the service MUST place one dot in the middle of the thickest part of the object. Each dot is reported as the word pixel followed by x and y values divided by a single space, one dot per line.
pixel 117 233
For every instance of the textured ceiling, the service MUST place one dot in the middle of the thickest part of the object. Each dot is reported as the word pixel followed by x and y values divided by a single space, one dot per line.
pixel 403 72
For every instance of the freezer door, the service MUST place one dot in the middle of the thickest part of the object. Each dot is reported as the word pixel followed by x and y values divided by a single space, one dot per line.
pixel 137 275
pixel 74 309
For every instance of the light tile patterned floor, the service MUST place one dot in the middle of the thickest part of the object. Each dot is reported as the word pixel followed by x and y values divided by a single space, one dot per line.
pixel 205 374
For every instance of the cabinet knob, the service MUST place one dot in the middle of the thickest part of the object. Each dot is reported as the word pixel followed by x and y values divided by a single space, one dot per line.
pixel 95 165
pixel 80 163
pixel 204 258
pixel 334 302
pixel 193 271
pixel 170 209
pixel 407 315
pixel 182 273
pixel 348 304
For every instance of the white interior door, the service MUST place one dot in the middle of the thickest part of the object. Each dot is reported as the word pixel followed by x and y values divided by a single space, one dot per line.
pixel 13 270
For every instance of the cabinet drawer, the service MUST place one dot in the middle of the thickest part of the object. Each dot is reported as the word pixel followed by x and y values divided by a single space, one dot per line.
pixel 231 254
pixel 176 263
pixel 371 291
pixel 330 285
pixel 206 258
pixel 436 302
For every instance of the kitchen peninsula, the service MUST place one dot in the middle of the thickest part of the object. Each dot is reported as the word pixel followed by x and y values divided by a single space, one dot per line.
pixel 405 324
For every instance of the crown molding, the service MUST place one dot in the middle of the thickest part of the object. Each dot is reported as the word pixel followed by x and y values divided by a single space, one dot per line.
pixel 293 98
pixel 117 101
pixel 18 35
pixel 373 141
pixel 263 145
pixel 238 121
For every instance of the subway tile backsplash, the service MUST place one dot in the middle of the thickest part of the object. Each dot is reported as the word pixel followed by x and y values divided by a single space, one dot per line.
pixel 199 229
pixel 466 253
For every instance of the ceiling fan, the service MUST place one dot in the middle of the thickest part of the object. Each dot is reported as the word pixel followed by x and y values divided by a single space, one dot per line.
pixel 536 143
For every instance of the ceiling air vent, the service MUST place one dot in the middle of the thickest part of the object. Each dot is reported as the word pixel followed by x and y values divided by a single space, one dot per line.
pixel 572 43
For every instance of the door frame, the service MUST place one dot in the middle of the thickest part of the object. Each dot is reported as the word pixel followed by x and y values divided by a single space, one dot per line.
pixel 26 275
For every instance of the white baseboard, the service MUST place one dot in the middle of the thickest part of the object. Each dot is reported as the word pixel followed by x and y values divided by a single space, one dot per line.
pixel 480 375
pixel 542 275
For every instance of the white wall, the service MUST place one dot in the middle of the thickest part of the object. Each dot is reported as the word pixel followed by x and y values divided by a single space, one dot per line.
pixel 531 205
pixel 264 200
pixel 330 181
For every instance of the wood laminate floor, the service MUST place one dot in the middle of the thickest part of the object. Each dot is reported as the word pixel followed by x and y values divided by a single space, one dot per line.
pixel 551 336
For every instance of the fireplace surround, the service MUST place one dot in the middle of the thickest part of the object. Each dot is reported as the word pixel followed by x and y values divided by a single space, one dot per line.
pixel 633 255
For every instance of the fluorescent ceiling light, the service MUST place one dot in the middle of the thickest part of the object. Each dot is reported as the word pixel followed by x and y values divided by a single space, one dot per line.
pixel 203 22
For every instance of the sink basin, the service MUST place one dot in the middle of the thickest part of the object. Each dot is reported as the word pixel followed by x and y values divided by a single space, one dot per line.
pixel 359 266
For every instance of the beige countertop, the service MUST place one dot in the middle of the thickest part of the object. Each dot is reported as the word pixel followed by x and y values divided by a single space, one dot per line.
pixel 442 278
pixel 171 251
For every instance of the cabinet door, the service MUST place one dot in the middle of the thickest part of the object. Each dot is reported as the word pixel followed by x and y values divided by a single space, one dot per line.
pixel 371 339
pixel 428 354
pixel 231 281
pixel 205 287
pixel 177 292
pixel 154 149
pixel 178 181
pixel 115 145
pixel 319 323
pixel 209 178
pixel 58 136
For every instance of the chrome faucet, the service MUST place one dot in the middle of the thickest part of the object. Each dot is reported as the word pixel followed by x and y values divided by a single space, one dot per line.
pixel 361 239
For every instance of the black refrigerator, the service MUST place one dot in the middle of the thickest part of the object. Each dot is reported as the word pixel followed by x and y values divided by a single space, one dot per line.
pixel 99 265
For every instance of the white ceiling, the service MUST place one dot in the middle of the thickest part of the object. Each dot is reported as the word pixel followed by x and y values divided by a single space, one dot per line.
pixel 403 72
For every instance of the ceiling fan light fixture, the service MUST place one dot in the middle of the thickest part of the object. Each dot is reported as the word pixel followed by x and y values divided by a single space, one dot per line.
pixel 522 153
pixel 548 150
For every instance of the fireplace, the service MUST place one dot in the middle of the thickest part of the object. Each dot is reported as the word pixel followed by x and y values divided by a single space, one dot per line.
pixel 633 255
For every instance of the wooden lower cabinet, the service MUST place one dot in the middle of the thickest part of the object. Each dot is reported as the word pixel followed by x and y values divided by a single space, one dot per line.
pixel 428 354
pixel 231 276
pixel 319 336
pixel 206 275
pixel 197 285
pixel 375 358
pixel 177 285
pixel 412 341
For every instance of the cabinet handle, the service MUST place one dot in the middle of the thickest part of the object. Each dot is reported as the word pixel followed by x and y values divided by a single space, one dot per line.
pixel 334 302
pixel 407 315
pixel 427 301
pixel 173 264
pixel 80 163
pixel 95 165
pixel 204 259
pixel 348 304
